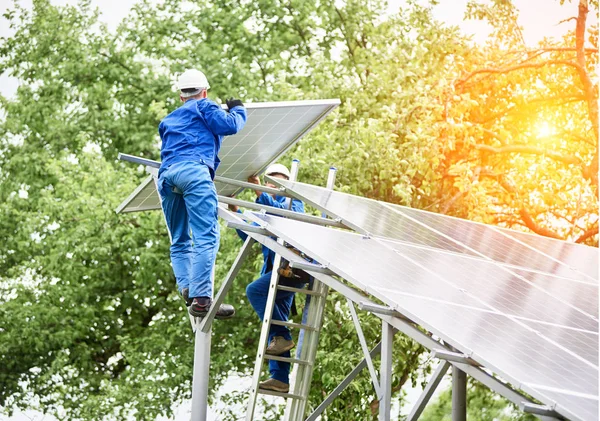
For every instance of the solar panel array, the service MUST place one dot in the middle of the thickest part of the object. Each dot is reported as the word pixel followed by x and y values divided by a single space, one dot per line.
pixel 524 331
pixel 442 232
pixel 522 305
pixel 271 129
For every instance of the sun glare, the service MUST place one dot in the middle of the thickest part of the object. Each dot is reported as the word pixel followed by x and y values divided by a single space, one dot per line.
pixel 544 129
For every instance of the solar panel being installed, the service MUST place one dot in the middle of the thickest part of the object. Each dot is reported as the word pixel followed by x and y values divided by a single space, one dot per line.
pixel 272 128
pixel 441 232
pixel 542 343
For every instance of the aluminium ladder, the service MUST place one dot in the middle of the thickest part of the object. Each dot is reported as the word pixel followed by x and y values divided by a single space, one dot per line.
pixel 308 337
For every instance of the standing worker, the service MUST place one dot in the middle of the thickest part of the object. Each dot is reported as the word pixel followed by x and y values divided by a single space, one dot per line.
pixel 191 138
pixel 280 338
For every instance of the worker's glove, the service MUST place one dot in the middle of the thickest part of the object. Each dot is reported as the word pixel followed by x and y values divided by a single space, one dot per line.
pixel 232 102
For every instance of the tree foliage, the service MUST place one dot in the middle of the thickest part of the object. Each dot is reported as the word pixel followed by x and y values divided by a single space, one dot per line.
pixel 90 322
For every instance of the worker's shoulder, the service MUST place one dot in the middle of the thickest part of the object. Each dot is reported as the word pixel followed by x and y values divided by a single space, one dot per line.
pixel 206 104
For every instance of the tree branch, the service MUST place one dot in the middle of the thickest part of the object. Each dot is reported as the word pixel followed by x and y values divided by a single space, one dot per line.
pixel 589 233
pixel 567 159
pixel 518 67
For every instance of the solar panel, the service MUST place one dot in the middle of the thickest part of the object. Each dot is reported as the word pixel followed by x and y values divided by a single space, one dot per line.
pixel 144 197
pixel 536 339
pixel 271 129
pixel 588 256
pixel 438 231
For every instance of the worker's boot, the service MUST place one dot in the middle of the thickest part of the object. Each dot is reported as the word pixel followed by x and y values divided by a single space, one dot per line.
pixel 185 293
pixel 225 311
pixel 279 345
pixel 200 306
pixel 274 385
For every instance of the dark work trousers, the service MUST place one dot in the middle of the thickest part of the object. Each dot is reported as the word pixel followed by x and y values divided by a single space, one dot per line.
pixel 257 293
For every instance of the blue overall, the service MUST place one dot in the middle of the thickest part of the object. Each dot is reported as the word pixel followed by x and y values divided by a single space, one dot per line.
pixel 258 290
pixel 191 138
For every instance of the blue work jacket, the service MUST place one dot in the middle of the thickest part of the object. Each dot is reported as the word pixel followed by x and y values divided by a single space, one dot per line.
pixel 280 202
pixel 194 132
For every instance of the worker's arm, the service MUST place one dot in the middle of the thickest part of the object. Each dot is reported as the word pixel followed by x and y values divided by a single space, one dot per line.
pixel 240 233
pixel 221 122
pixel 267 199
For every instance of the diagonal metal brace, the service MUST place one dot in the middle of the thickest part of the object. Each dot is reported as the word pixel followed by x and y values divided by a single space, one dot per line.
pixel 365 349
pixel 206 322
pixel 340 388
pixel 433 383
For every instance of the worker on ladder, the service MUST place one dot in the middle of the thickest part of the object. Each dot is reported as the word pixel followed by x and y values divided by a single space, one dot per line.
pixel 191 138
pixel 280 338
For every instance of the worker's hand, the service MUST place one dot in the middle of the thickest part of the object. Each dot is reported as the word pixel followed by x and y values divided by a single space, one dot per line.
pixel 233 208
pixel 232 102
pixel 255 180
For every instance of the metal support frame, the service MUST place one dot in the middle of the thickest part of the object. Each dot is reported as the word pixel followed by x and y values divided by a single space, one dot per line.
pixel 365 349
pixel 282 212
pixel 458 357
pixel 245 185
pixel 206 322
pixel 387 340
pixel 461 364
pixel 536 409
pixel 432 385
pixel 247 228
pixel 405 326
pixel 459 394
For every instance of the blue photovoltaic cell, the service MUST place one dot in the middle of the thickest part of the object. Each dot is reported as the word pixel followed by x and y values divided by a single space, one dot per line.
pixel 502 318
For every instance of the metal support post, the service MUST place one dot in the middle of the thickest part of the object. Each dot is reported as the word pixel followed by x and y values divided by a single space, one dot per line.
pixel 330 183
pixel 459 395
pixel 201 368
pixel 294 169
pixel 201 373
pixel 433 383
pixel 385 403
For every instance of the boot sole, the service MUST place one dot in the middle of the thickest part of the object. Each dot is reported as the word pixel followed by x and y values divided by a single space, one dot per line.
pixel 275 389
pixel 197 313
pixel 286 349
pixel 224 317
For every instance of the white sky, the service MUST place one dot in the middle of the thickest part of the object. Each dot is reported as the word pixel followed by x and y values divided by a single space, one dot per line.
pixel 536 26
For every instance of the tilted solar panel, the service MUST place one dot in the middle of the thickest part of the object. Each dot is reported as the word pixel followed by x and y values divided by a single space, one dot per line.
pixel 553 247
pixel 540 341
pixel 271 129
pixel 438 231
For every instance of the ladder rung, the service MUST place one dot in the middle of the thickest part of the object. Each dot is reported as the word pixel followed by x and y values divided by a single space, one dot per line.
pixel 299 290
pixel 293 325
pixel 286 359
pixel 281 395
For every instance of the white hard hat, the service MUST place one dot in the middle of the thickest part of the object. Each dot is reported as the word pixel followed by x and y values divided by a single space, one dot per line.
pixel 192 78
pixel 278 169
